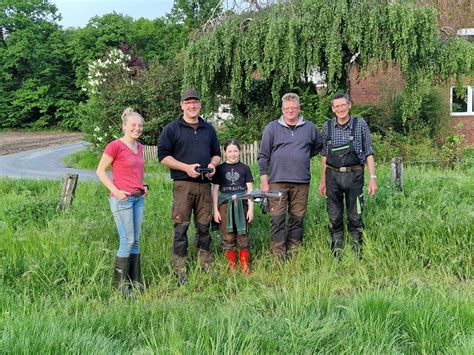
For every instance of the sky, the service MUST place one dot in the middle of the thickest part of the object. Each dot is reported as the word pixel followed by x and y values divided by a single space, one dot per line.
pixel 77 13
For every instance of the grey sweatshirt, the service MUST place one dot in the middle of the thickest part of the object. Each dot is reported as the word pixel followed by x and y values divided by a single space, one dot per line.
pixel 285 153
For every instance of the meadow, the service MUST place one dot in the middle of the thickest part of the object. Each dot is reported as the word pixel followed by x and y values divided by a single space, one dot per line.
pixel 411 293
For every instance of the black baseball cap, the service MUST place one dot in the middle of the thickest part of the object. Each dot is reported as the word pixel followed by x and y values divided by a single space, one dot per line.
pixel 190 94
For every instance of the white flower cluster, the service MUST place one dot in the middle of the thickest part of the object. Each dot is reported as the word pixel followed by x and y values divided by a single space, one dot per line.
pixel 99 68
pixel 101 136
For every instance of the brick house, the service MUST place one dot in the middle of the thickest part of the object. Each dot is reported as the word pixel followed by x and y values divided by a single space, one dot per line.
pixel 456 17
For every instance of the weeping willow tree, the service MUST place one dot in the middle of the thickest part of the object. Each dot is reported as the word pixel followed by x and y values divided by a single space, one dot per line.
pixel 283 44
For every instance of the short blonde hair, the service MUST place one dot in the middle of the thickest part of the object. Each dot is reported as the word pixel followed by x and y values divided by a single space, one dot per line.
pixel 128 112
pixel 291 96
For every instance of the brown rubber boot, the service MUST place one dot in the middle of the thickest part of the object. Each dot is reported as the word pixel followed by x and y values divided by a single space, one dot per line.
pixel 205 258
pixel 179 266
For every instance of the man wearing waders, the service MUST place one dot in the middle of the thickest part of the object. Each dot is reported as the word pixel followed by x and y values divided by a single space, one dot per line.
pixel 347 146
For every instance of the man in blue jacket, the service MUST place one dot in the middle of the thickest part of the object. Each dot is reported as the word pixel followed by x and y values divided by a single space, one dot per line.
pixel 186 144
pixel 287 146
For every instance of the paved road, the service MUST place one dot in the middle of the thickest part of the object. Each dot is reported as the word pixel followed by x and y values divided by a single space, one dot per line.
pixel 43 163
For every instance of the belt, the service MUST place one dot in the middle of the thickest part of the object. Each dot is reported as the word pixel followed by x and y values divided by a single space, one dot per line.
pixel 346 169
pixel 138 193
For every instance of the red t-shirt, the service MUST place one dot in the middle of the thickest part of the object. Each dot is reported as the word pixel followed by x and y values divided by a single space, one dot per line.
pixel 127 166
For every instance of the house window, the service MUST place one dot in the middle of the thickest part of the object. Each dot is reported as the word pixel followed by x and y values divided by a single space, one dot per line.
pixel 467 33
pixel 462 101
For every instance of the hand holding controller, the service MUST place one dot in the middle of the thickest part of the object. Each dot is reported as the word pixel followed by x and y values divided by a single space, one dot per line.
pixel 203 171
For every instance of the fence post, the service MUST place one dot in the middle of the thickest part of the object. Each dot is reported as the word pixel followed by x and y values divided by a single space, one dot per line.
pixel 255 155
pixel 69 188
pixel 397 172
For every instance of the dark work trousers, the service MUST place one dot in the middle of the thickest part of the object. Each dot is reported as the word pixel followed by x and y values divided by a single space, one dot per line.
pixel 231 241
pixel 286 234
pixel 191 197
pixel 346 187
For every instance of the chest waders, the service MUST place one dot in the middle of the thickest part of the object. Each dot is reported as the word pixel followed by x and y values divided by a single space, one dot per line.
pixel 344 183
pixel 342 155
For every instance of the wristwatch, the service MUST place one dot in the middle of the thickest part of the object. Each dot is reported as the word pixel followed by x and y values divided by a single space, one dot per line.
pixel 373 176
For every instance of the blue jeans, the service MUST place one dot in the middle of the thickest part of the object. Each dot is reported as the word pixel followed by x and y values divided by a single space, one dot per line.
pixel 128 215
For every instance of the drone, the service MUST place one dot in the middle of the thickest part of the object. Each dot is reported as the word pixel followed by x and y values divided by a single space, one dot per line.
pixel 257 195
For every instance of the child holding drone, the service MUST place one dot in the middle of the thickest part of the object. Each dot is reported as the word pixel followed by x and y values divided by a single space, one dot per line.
pixel 233 179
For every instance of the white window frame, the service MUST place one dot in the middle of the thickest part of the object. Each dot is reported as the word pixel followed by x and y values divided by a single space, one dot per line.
pixel 466 32
pixel 470 103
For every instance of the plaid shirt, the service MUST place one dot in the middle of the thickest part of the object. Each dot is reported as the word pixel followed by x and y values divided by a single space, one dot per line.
pixel 340 136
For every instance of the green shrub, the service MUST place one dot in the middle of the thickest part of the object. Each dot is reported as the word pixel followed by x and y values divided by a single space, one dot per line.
pixel 431 120
pixel 412 149
pixel 85 159
pixel 248 129
pixel 374 116
pixel 453 150
pixel 386 147
pixel 418 139
pixel 252 117
pixel 418 150
pixel 31 208
pixel 315 107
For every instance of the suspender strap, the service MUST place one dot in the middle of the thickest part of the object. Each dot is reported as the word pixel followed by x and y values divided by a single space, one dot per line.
pixel 353 130
pixel 351 138
pixel 329 123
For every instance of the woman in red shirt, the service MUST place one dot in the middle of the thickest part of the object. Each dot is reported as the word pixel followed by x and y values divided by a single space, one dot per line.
pixel 127 192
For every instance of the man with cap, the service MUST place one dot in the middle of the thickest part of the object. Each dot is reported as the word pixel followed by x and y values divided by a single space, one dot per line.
pixel 186 145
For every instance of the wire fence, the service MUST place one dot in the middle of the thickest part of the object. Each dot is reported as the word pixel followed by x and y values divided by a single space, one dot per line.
pixel 435 162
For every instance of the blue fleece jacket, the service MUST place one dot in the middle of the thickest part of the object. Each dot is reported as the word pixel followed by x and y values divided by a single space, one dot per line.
pixel 285 152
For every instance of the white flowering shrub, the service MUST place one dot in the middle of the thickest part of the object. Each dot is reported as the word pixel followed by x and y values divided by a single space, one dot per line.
pixel 119 80
pixel 106 76
pixel 102 136
pixel 114 61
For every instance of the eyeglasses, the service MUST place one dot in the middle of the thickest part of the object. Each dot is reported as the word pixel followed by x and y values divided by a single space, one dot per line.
pixel 291 108
pixel 192 102
pixel 339 107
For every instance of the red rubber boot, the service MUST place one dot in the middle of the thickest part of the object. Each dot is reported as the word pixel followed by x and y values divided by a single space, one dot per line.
pixel 230 254
pixel 244 261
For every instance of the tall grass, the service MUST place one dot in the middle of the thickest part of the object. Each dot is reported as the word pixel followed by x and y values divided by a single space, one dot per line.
pixel 411 293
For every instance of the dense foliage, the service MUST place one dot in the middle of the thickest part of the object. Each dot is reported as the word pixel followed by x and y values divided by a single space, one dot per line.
pixel 36 73
pixel 250 59
pixel 286 43
pixel 43 66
